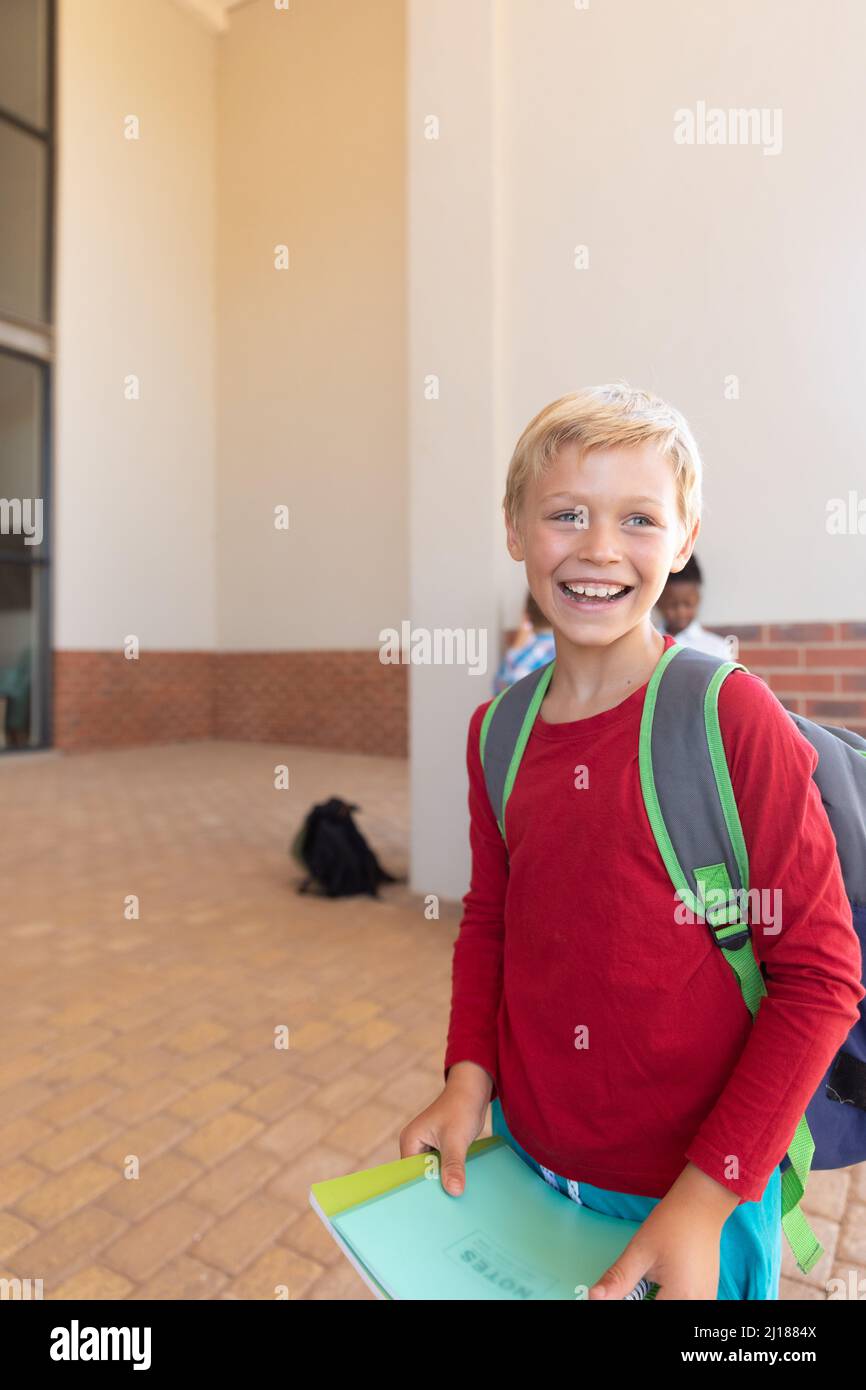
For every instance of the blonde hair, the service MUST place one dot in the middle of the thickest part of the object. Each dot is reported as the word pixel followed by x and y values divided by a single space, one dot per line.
pixel 600 417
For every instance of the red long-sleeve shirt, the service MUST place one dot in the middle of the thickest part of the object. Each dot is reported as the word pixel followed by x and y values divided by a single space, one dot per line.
pixel 580 932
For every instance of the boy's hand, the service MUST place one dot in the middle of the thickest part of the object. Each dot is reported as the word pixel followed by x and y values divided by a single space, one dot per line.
pixel 677 1245
pixel 451 1123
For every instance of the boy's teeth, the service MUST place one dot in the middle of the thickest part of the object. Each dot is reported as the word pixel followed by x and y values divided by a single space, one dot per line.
pixel 596 590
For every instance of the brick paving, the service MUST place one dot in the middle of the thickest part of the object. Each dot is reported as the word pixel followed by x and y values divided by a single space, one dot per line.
pixel 154 1143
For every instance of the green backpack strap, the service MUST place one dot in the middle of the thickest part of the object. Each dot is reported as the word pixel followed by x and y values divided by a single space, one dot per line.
pixel 692 810
pixel 505 731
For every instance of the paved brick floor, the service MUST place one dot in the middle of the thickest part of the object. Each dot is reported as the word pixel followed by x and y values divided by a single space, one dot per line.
pixel 146 1043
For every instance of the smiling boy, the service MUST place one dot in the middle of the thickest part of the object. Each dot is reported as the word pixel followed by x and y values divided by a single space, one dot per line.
pixel 612 1037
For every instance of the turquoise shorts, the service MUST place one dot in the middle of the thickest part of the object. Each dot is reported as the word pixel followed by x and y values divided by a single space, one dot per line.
pixel 750 1250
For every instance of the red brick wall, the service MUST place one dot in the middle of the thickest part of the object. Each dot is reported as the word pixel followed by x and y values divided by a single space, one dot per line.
pixel 335 699
pixel 349 700
pixel 346 700
pixel 816 669
pixel 101 700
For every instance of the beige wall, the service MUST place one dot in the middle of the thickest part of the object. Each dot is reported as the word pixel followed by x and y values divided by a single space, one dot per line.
pixel 136 293
pixel 704 261
pixel 257 388
pixel 454 447
pixel 312 383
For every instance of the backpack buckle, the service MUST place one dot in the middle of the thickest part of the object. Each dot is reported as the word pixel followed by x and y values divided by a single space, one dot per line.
pixel 720 907
pixel 728 931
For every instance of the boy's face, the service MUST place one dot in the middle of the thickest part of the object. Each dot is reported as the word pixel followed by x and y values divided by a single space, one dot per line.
pixel 679 605
pixel 630 534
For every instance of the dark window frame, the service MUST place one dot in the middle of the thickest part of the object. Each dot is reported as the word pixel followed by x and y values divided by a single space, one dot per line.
pixel 44 729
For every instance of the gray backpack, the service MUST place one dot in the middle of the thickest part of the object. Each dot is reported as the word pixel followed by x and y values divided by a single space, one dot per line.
pixel 692 810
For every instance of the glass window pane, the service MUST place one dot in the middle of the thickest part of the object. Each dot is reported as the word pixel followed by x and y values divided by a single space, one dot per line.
pixel 22 589
pixel 24 59
pixel 21 515
pixel 23 188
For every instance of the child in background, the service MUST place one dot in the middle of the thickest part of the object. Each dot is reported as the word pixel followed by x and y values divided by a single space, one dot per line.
pixel 680 1109
pixel 532 647
pixel 678 605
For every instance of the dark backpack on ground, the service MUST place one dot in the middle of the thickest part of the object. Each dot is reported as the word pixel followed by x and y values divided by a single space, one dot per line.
pixel 335 854
pixel 692 810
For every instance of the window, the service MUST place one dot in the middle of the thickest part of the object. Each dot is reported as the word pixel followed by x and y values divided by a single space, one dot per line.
pixel 26 368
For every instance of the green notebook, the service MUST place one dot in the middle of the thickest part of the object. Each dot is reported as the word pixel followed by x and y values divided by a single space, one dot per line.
pixel 510 1235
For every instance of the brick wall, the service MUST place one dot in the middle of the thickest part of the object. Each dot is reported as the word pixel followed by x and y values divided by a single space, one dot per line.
pixel 349 700
pixel 101 700
pixel 346 700
pixel 334 699
pixel 816 669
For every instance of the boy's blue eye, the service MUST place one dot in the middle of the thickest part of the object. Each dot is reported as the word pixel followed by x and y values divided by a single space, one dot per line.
pixel 563 516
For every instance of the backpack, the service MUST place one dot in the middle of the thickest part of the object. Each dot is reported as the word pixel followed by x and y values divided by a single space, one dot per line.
pixel 333 850
pixel 692 810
